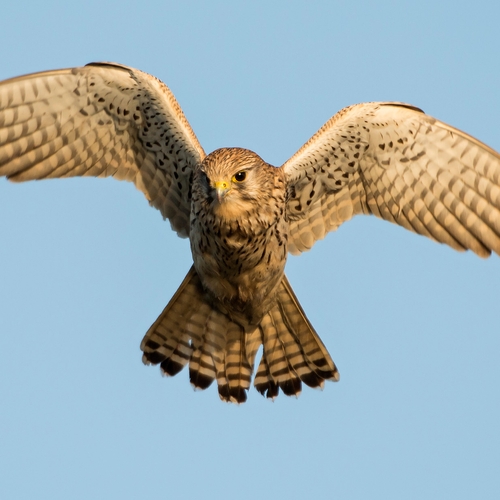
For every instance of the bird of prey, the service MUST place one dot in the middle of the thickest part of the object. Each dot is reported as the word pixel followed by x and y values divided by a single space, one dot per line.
pixel 242 215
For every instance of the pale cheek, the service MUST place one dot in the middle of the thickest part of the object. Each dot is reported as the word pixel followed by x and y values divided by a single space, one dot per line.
pixel 233 209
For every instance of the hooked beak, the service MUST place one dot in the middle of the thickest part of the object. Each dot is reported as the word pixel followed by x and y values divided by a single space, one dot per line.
pixel 221 188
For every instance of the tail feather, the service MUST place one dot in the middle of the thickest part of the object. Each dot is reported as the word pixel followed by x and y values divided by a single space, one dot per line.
pixel 264 382
pixel 298 361
pixel 203 368
pixel 308 341
pixel 190 330
pixel 179 357
pixel 207 336
pixel 164 336
pixel 278 360
pixel 235 379
pixel 293 352
pixel 253 341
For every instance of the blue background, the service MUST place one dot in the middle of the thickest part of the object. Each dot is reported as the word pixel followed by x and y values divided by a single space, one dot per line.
pixel 86 266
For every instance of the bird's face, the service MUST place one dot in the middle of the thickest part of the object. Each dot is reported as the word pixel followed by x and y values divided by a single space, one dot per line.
pixel 223 186
pixel 231 181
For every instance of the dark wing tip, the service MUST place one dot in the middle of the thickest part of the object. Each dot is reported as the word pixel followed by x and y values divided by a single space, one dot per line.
pixel 404 105
pixel 106 64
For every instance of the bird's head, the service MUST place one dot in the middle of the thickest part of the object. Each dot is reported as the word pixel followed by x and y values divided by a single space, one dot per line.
pixel 232 180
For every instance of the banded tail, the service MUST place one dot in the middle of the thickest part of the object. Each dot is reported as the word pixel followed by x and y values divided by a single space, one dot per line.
pixel 190 330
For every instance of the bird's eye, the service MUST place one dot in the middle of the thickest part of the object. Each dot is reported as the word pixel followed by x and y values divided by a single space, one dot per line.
pixel 240 176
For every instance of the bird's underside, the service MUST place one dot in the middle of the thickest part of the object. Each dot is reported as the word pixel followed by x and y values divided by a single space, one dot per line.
pixel 243 216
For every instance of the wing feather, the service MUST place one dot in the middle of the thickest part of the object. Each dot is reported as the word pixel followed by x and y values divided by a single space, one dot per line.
pixel 100 120
pixel 394 161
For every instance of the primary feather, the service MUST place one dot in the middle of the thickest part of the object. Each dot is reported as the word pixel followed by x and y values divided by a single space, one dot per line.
pixel 242 215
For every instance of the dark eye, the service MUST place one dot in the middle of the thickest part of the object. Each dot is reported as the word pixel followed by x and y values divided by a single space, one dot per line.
pixel 240 176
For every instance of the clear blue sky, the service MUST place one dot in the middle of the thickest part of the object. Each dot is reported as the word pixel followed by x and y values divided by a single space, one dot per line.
pixel 87 265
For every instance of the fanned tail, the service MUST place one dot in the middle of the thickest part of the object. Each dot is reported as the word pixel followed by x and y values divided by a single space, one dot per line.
pixel 293 352
pixel 190 330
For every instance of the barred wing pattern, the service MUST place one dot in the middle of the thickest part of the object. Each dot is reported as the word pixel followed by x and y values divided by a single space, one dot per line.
pixel 100 120
pixel 394 161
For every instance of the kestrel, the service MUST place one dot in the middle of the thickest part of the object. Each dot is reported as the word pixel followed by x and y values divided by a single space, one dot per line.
pixel 242 215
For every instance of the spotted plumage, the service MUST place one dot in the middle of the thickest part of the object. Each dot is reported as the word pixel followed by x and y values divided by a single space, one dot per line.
pixel 242 215
pixel 239 242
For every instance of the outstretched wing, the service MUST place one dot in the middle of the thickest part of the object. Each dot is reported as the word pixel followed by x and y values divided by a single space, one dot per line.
pixel 100 120
pixel 394 161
